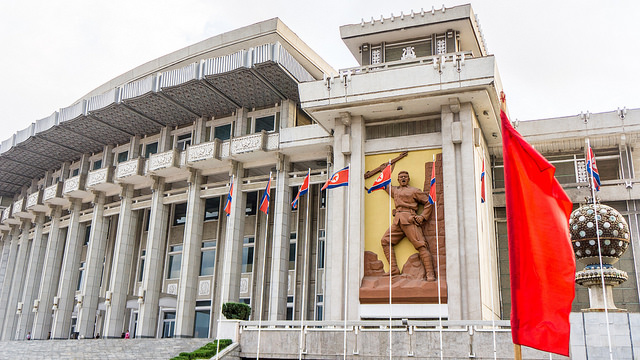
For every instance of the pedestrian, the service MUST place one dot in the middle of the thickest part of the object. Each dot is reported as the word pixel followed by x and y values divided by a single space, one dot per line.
pixel 126 336
pixel 29 335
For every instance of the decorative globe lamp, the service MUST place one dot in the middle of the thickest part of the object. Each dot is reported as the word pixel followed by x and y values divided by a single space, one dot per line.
pixel 589 226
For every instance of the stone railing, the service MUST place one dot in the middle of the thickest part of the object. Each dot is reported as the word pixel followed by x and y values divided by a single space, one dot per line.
pixel 100 176
pixel 18 206
pixel 206 151
pixel 5 214
pixel 34 199
pixel 249 143
pixel 53 191
pixel 130 168
pixel 164 160
pixel 74 184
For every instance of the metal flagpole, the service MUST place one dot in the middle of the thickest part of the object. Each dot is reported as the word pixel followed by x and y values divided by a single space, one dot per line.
pixel 264 267
pixel 303 287
pixel 435 209
pixel 391 254
pixel 222 291
pixel 604 292
pixel 493 321
pixel 346 272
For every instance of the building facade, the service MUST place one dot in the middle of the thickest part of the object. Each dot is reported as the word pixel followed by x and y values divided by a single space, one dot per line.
pixel 114 214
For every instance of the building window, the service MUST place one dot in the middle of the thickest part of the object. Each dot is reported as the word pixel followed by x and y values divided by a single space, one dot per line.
pixel 321 238
pixel 87 235
pixel 175 262
pixel 169 324
pixel 268 123
pixel 441 45
pixel 201 324
pixel 252 204
pixel 123 156
pixel 208 258
pixel 80 276
pixel 222 132
pixel 247 254
pixel 150 149
pixel 180 214
pixel 183 141
pixel 289 307
pixel 75 172
pixel 245 301
pixel 319 306
pixel 97 164
pixel 292 251
pixel 141 273
pixel 212 209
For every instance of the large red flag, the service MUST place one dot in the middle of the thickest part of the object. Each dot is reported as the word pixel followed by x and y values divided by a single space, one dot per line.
pixel 541 259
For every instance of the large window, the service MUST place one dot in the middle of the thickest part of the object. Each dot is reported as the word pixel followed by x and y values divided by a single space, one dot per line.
pixel 201 324
pixel 169 324
pixel 150 149
pixel 208 258
pixel 80 276
pixel 175 262
pixel 247 254
pixel 292 251
pixel 268 123
pixel 321 238
pixel 97 164
pixel 212 209
pixel 180 214
pixel 123 156
pixel 183 141
pixel 142 256
pixel 252 204
pixel 222 132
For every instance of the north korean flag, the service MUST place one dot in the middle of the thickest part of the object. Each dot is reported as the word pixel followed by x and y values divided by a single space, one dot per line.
pixel 432 189
pixel 592 169
pixel 482 190
pixel 339 178
pixel 264 203
pixel 382 181
pixel 227 206
pixel 303 190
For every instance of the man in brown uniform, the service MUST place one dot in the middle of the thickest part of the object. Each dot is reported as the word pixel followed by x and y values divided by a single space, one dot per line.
pixel 406 222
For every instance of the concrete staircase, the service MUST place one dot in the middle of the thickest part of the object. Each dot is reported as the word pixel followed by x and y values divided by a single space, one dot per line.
pixel 99 348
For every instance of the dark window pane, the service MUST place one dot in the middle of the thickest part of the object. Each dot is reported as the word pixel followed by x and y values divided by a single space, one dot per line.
pixel 207 262
pixel 252 203
pixel 175 261
pixel 97 164
pixel 150 149
pixel 201 324
pixel 265 123
pixel 292 256
pixel 180 214
pixel 75 172
pixel 123 156
pixel 141 270
pixel 212 208
pixel 247 259
pixel 222 132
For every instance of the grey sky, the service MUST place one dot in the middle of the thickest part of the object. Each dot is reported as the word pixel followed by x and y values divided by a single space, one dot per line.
pixel 555 58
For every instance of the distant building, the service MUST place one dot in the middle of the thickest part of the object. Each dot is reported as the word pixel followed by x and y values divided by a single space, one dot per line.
pixel 114 215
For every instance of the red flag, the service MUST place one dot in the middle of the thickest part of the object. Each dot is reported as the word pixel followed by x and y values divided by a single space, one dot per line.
pixel 264 202
pixel 541 260
pixel 432 188
pixel 302 191
pixel 227 206
pixel 482 186
pixel 383 180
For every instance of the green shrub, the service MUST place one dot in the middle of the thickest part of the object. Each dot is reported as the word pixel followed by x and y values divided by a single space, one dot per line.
pixel 206 352
pixel 238 311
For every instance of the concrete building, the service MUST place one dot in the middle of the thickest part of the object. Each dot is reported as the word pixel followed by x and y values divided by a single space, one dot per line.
pixel 114 220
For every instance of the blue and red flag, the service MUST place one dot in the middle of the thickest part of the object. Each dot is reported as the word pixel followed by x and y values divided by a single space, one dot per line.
pixel 432 186
pixel 482 186
pixel 264 203
pixel 339 178
pixel 382 181
pixel 592 169
pixel 303 190
pixel 227 206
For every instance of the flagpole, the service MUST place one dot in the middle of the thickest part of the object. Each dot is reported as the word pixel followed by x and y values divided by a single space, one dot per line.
pixel 222 291
pixel 435 209
pixel 493 321
pixel 264 266
pixel 593 200
pixel 303 287
pixel 391 254
pixel 346 272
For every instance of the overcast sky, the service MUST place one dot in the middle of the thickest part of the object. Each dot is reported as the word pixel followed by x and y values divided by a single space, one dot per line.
pixel 555 58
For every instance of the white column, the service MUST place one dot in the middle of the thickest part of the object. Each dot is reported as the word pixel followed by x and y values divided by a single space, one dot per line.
pixel 8 276
pixel 122 261
pixel 6 245
pixel 232 263
pixel 50 277
pixel 356 223
pixel 9 326
pixel 68 274
pixel 280 248
pixel 34 272
pixel 463 277
pixel 153 263
pixel 188 288
pixel 93 269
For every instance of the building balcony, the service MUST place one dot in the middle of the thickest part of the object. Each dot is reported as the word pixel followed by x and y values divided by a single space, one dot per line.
pixel 102 180
pixel 5 220
pixel 131 172
pixel 11 218
pixel 52 195
pixel 204 155
pixel 20 210
pixel 165 164
pixel 36 203
pixel 74 187
pixel 251 145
